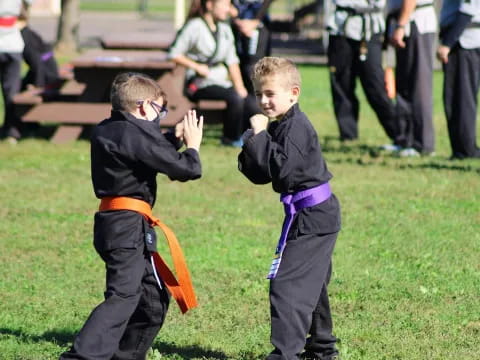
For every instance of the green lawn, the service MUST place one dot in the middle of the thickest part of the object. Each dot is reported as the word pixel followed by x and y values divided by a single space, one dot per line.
pixel 168 6
pixel 406 281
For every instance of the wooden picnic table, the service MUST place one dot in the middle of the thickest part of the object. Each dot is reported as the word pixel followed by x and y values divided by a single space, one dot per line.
pixel 97 68
pixel 94 72
pixel 138 40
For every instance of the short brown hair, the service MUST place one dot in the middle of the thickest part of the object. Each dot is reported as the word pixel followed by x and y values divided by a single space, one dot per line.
pixel 129 88
pixel 270 66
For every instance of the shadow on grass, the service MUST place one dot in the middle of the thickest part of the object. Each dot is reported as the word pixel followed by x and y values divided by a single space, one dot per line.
pixel 367 155
pixel 188 352
pixel 64 338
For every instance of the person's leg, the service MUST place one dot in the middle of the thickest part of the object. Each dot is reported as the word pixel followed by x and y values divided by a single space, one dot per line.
pixel 321 343
pixel 11 82
pixel 146 321
pixel 414 77
pixel 295 294
pixel 422 91
pixel 233 121
pixel 404 77
pixel 372 78
pixel 341 54
pixel 100 336
pixel 460 91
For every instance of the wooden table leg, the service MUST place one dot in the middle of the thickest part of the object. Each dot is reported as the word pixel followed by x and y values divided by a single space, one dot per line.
pixel 65 134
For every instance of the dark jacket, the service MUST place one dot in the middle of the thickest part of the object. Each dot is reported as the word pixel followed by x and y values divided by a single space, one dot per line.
pixel 126 155
pixel 288 154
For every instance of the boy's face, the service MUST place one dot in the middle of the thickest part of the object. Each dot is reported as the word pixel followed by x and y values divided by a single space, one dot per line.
pixel 220 9
pixel 274 96
pixel 153 109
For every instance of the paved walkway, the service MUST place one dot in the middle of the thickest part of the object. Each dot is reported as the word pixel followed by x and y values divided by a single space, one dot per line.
pixel 95 25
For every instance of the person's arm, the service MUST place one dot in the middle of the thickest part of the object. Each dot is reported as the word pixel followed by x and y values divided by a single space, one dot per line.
pixel 236 77
pixel 185 41
pixel 451 36
pixel 408 7
pixel 247 26
pixel 200 69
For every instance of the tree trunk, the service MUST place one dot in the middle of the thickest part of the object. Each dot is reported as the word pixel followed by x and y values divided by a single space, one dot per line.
pixel 67 31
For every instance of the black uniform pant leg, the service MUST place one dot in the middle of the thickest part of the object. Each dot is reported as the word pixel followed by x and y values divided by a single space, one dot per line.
pixel 101 334
pixel 372 77
pixel 341 61
pixel 234 122
pixel 146 321
pixel 10 64
pixel 414 78
pixel 321 341
pixel 295 295
pixel 460 91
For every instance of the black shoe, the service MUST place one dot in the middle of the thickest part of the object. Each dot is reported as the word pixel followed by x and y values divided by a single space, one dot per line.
pixel 308 355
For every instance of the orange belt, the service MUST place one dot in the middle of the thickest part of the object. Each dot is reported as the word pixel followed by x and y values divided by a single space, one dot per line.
pixel 181 289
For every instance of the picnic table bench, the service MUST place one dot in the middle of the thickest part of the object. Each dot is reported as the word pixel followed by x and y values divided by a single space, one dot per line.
pixel 85 100
pixel 138 41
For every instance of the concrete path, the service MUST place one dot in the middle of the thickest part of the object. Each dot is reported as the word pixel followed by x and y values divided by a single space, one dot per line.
pixel 95 25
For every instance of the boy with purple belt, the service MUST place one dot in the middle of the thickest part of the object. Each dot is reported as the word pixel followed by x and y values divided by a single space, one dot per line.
pixel 282 147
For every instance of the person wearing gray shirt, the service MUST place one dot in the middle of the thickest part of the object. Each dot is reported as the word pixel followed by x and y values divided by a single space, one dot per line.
pixel 11 47
pixel 412 25
pixel 206 47
pixel 459 51
pixel 355 50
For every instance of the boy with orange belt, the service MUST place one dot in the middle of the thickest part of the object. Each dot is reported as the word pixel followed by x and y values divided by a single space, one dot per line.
pixel 282 148
pixel 128 150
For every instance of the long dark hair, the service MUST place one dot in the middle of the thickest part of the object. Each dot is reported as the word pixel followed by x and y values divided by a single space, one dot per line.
pixel 198 8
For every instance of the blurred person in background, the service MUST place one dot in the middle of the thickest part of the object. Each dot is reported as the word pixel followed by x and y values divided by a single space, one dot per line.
pixel 355 50
pixel 11 48
pixel 206 47
pixel 43 70
pixel 412 25
pixel 459 51
pixel 250 25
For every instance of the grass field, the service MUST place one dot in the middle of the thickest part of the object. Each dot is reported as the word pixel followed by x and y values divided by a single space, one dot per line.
pixel 168 6
pixel 406 282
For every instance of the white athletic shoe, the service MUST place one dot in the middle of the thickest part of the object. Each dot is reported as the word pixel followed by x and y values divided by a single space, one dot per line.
pixel 409 152
pixel 390 148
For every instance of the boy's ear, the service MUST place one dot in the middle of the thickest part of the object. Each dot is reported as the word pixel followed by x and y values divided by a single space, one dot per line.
pixel 296 91
pixel 141 109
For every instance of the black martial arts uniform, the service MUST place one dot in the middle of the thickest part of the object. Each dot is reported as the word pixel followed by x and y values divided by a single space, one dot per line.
pixel 288 154
pixel 461 33
pixel 251 49
pixel 126 155
pixel 355 51
pixel 43 68
pixel 414 79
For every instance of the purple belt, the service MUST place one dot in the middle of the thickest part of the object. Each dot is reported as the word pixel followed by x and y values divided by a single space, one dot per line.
pixel 47 56
pixel 292 204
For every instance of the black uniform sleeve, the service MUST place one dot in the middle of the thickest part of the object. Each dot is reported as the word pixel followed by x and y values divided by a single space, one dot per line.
pixel 450 35
pixel 170 136
pixel 267 159
pixel 253 159
pixel 157 153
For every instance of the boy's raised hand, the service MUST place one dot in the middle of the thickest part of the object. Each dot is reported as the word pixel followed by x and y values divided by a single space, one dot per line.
pixel 179 130
pixel 192 130
pixel 259 122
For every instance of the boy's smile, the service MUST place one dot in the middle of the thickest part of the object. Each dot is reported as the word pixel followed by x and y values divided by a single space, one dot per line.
pixel 274 96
